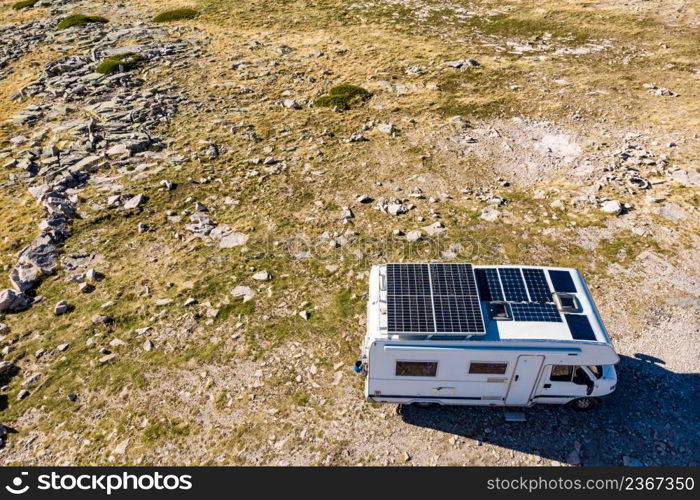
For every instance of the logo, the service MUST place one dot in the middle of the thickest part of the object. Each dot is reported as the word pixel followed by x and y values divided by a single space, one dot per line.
pixel 17 483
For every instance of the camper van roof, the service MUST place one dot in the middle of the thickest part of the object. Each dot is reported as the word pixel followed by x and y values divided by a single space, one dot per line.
pixel 455 301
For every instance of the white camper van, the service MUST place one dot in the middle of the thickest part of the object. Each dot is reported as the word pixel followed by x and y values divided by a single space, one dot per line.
pixel 457 334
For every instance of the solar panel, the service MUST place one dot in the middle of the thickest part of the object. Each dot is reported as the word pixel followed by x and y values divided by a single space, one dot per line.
pixel 513 284
pixel 537 285
pixel 407 279
pixel 562 282
pixel 410 313
pixel 432 298
pixel 580 327
pixel 536 312
pixel 458 313
pixel 452 279
pixel 488 284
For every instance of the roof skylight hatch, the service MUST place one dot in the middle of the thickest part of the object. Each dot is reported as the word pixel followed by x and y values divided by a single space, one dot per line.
pixel 567 303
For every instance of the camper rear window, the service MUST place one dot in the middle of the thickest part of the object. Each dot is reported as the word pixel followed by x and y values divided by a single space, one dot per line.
pixel 487 368
pixel 416 368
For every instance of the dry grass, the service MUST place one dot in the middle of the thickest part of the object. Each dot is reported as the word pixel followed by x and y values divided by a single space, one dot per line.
pixel 203 369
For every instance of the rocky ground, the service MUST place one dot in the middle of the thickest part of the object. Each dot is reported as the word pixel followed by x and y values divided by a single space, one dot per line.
pixel 185 243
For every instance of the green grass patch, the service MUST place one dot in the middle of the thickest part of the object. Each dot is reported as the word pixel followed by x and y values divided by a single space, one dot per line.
pixel 626 247
pixel 25 4
pixel 175 15
pixel 166 428
pixel 299 398
pixel 81 20
pixel 119 62
pixel 343 96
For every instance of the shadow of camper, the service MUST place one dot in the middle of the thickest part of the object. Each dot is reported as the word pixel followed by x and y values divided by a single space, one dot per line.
pixel 652 417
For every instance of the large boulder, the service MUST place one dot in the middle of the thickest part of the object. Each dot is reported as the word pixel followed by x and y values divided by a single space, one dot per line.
pixel 11 301
pixel 38 259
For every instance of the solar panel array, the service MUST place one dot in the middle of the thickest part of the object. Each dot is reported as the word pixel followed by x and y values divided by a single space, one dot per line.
pixel 433 298
pixel 513 284
pixel 562 282
pixel 488 283
pixel 444 298
pixel 580 327
pixel 525 289
pixel 458 313
pixel 537 285
pixel 534 311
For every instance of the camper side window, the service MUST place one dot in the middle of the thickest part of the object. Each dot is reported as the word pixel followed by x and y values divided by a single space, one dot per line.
pixel 416 368
pixel 561 373
pixel 487 368
pixel 566 373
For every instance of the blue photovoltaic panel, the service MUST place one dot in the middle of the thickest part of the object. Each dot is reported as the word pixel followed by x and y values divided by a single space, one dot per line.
pixel 536 312
pixel 410 313
pixel 432 298
pixel 513 284
pixel 580 327
pixel 562 282
pixel 407 279
pixel 452 279
pixel 488 284
pixel 458 314
pixel 537 285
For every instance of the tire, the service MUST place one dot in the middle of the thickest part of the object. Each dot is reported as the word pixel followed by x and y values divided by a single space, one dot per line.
pixel 584 404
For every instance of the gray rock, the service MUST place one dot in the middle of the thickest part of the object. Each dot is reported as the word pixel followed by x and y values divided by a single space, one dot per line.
pixel 86 287
pixel 304 315
pixel 357 138
pixel 11 301
pixel 148 345
pixel 613 207
pixel 414 236
pixel 94 275
pixel 22 394
pixel 36 260
pixel 7 368
pixel 101 319
pixel 435 229
pixel 233 240
pixel 107 358
pixel 291 104
pixel 61 307
pixel 243 291
pixel 672 212
pixel 489 214
pixel 134 202
pixel 386 128
pixel 31 380
pixel 4 328
pixel 262 276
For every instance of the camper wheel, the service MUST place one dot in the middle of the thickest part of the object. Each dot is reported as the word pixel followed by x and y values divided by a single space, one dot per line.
pixel 584 404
